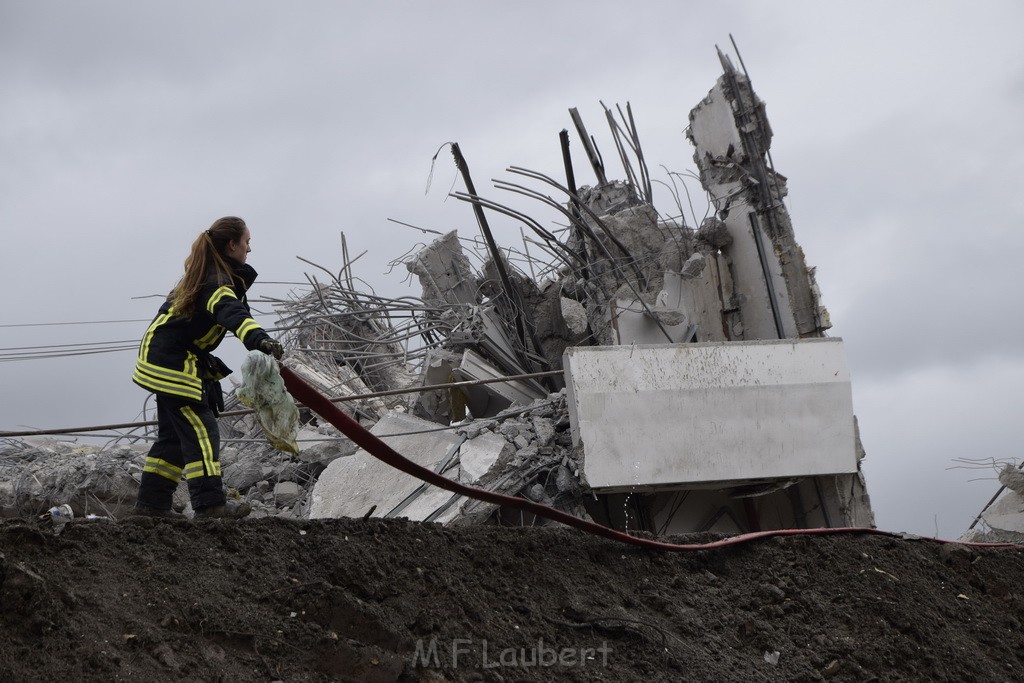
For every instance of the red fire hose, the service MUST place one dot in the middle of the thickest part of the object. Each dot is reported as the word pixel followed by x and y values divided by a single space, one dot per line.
pixel 380 450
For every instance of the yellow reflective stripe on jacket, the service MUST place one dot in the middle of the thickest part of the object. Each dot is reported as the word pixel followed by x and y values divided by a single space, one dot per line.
pixel 219 294
pixel 176 382
pixel 157 322
pixel 247 326
pixel 163 468
pixel 188 378
pixel 212 467
pixel 165 387
pixel 210 337
pixel 191 364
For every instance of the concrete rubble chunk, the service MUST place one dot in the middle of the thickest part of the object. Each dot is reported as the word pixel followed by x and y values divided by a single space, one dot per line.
pixel 1012 478
pixel 478 455
pixel 242 475
pixel 574 314
pixel 693 267
pixel 1007 513
pixel 544 429
pixel 444 272
pixel 438 368
pixel 714 233
pixel 286 493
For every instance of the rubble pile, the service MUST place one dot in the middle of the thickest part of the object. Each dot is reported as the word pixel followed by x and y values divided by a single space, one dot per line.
pixel 37 474
pixel 472 379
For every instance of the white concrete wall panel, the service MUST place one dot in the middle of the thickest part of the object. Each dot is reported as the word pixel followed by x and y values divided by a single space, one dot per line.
pixel 667 415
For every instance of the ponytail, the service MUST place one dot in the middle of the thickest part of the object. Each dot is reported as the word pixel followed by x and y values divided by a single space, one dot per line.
pixel 207 253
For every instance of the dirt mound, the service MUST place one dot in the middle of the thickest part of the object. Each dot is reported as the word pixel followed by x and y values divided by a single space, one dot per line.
pixel 271 599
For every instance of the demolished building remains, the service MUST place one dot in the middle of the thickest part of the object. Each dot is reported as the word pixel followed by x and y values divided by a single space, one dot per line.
pixel 649 374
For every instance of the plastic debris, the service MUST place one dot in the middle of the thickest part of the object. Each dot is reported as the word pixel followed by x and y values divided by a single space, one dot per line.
pixel 263 390
pixel 59 514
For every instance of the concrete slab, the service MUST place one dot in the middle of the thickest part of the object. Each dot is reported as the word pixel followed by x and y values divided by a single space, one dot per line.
pixel 350 486
pixel 487 400
pixel 478 455
pixel 666 415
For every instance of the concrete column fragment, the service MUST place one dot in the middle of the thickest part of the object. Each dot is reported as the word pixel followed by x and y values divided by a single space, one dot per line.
pixel 731 137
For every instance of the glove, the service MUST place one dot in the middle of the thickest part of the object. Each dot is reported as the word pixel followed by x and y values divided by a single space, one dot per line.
pixel 271 347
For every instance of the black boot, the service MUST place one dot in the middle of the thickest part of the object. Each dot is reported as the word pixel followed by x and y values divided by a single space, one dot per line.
pixel 229 510
pixel 146 511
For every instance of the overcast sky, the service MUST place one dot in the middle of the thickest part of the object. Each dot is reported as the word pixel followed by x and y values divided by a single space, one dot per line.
pixel 127 127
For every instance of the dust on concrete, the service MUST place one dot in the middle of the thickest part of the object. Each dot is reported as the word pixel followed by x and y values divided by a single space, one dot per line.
pixel 352 600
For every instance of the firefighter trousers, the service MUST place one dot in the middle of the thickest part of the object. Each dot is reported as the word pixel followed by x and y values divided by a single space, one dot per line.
pixel 187 445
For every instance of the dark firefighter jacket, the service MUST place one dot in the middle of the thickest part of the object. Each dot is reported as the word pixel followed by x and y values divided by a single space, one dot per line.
pixel 174 356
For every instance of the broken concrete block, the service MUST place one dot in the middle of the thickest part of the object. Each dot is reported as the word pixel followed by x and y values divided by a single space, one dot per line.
pixel 510 428
pixel 444 272
pixel 693 267
pixel 574 314
pixel 527 453
pixel 242 474
pixel 1007 513
pixel 544 430
pixel 50 472
pixel 326 451
pixel 609 198
pixel 537 494
pixel 521 441
pixel 477 456
pixel 566 482
pixel 1012 478
pixel 286 493
pixel 436 406
pixel 475 428
pixel 714 233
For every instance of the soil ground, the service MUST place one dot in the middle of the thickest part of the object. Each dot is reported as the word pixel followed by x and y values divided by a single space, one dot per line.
pixel 147 600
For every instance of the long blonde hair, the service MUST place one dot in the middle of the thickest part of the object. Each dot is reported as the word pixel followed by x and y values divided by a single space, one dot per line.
pixel 207 250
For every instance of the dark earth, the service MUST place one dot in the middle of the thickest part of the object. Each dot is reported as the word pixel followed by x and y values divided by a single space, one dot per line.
pixel 353 600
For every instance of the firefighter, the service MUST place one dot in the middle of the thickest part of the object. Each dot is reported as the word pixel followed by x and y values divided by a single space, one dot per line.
pixel 175 362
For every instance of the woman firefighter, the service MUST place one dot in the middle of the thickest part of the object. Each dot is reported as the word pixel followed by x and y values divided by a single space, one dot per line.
pixel 176 364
